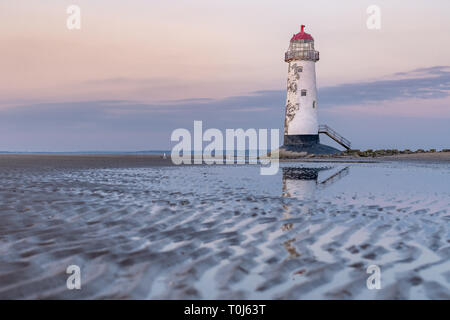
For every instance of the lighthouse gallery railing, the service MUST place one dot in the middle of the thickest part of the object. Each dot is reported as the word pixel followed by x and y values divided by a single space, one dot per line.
pixel 302 55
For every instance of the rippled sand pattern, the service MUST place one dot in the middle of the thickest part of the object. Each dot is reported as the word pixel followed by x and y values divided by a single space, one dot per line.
pixel 205 232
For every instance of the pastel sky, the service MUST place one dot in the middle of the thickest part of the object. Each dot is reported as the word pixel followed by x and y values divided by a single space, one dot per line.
pixel 139 69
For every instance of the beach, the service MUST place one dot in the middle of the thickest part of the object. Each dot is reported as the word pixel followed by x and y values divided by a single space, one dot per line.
pixel 141 228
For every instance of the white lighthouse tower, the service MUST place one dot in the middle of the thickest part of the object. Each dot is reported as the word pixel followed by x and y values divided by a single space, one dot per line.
pixel 301 127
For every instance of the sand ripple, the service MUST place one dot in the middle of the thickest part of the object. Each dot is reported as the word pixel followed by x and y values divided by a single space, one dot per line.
pixel 223 232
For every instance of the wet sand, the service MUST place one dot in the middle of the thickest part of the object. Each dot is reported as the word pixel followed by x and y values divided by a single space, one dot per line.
pixel 80 161
pixel 139 227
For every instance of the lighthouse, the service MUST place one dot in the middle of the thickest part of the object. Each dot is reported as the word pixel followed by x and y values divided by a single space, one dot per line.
pixel 301 126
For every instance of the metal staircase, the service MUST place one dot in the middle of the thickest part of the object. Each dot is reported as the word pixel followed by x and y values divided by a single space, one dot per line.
pixel 323 128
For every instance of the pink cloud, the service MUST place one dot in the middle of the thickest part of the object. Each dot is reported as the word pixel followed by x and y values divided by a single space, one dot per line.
pixel 415 108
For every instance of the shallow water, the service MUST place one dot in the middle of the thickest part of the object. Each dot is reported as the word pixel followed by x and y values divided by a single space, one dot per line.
pixel 206 232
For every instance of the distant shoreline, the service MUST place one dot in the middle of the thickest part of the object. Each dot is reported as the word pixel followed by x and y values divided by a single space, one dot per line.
pixel 414 156
pixel 429 156
pixel 443 157
pixel 105 161
pixel 81 161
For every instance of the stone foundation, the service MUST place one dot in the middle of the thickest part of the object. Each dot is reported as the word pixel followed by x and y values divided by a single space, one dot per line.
pixel 303 145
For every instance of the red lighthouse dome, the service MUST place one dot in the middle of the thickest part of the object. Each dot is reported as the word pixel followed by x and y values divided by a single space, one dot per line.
pixel 302 35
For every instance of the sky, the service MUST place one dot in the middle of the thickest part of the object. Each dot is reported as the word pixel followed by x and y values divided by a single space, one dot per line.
pixel 138 69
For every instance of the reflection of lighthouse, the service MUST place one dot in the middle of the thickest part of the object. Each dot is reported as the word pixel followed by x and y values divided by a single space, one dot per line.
pixel 301 127
pixel 302 183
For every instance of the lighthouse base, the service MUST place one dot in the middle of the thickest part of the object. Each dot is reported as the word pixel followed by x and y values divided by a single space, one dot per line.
pixel 301 139
pixel 305 144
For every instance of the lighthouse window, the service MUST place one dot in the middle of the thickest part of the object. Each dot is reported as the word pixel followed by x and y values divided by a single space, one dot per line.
pixel 314 104
pixel 303 92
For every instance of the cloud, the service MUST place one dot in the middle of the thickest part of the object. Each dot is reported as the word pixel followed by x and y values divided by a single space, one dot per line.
pixel 120 81
pixel 424 83
pixel 128 124
pixel 411 108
